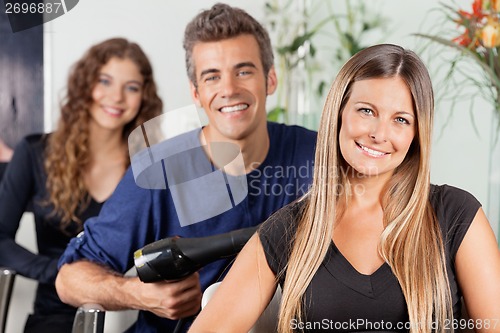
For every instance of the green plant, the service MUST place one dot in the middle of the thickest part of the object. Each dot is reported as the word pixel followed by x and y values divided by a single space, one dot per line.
pixel 289 20
pixel 299 26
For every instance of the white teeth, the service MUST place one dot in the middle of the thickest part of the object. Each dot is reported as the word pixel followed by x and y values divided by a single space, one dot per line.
pixel 234 108
pixel 372 152
pixel 113 110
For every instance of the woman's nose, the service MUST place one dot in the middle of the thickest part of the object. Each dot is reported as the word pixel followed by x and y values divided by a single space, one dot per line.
pixel 116 94
pixel 379 131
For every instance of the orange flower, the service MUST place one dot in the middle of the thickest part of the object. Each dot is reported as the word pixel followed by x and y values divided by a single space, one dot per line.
pixel 477 9
pixel 490 34
pixel 463 40
pixel 495 5
pixel 467 19
pixel 480 36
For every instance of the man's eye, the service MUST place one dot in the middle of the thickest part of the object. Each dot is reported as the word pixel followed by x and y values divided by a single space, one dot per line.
pixel 212 78
pixel 244 73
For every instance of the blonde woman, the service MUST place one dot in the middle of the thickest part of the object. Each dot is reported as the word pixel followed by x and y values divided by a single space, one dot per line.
pixel 67 175
pixel 373 246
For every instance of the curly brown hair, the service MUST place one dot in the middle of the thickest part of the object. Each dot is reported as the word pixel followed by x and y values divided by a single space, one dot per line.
pixel 67 152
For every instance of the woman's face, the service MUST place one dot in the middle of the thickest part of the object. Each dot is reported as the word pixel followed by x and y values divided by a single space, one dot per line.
pixel 117 94
pixel 378 126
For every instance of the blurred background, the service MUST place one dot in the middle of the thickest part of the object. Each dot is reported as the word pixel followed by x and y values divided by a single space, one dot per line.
pixel 312 39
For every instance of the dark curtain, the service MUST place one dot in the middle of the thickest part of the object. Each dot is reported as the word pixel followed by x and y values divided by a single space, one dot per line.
pixel 21 82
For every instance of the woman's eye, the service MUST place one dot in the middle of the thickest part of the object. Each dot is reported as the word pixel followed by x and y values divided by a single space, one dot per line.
pixel 402 120
pixel 133 88
pixel 104 81
pixel 366 111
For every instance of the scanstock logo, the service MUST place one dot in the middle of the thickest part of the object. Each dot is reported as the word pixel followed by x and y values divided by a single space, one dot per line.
pixel 25 14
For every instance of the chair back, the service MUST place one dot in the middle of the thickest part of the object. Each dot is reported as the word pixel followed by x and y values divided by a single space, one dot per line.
pixel 7 277
pixel 89 318
pixel 268 320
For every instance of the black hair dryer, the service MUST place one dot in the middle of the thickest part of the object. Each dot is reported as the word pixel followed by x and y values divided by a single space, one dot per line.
pixel 174 258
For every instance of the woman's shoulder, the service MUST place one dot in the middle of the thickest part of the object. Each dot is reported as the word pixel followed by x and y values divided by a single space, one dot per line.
pixel 35 140
pixel 278 233
pixel 447 197
pixel 285 220
pixel 455 210
pixel 279 229
pixel 29 147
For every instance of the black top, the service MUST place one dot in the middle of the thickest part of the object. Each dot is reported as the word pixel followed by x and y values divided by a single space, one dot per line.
pixel 341 299
pixel 3 166
pixel 23 186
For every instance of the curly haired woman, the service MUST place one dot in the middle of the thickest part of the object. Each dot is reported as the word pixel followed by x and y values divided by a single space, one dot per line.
pixel 67 175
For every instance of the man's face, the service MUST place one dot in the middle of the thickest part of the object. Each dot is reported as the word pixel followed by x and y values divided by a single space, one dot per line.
pixel 232 87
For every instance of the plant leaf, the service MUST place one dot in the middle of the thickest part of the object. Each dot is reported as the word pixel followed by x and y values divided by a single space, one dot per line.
pixel 489 71
pixel 275 113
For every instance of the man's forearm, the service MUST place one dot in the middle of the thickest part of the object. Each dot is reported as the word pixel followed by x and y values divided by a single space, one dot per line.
pixel 86 282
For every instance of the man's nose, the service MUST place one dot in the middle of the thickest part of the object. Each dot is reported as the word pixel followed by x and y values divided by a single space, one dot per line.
pixel 229 86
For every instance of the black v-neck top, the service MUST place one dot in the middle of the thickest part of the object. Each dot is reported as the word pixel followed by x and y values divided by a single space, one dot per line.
pixel 339 298
pixel 23 188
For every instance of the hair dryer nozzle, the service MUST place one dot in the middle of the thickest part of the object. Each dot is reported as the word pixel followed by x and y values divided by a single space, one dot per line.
pixel 174 258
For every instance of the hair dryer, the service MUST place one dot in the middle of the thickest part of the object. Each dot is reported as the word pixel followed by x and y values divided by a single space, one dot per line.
pixel 174 258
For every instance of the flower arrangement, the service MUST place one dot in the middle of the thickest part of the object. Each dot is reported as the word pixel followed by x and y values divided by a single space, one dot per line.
pixel 478 39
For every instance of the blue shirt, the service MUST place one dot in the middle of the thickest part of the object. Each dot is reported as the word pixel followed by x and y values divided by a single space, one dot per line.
pixel 134 217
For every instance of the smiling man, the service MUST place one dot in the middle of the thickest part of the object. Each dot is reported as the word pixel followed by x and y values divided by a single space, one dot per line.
pixel 231 85
pixel 231 73
pixel 229 62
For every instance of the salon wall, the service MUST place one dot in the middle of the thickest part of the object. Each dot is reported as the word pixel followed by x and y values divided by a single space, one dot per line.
pixel 460 156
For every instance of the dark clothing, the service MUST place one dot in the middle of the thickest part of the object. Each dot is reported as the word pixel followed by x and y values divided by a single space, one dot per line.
pixel 53 323
pixel 3 166
pixel 134 217
pixel 339 296
pixel 23 186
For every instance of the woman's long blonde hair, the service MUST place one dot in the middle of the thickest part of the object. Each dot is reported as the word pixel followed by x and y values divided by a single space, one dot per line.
pixel 411 243
pixel 67 153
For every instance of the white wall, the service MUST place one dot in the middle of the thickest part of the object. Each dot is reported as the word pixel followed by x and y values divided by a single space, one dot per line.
pixel 157 25
pixel 460 156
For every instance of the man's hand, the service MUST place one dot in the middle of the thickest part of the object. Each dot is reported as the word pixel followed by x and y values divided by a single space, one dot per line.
pixel 84 282
pixel 173 300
